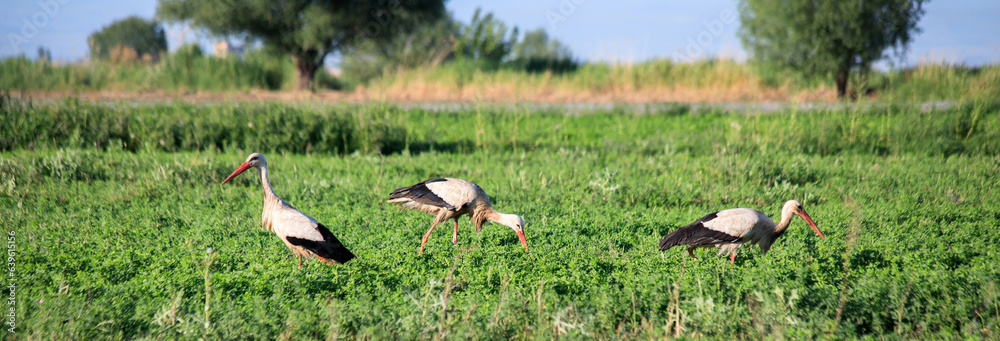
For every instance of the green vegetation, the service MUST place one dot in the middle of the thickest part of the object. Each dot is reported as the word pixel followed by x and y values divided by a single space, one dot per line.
pixel 484 44
pixel 706 80
pixel 424 47
pixel 485 39
pixel 415 51
pixel 827 39
pixel 651 81
pixel 128 39
pixel 426 56
pixel 537 53
pixel 306 31
pixel 187 69
pixel 122 236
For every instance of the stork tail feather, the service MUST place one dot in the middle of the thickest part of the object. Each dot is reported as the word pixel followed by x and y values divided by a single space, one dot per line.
pixel 696 233
pixel 421 194
pixel 330 247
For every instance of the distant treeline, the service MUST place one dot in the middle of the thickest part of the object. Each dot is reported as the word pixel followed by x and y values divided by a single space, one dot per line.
pixel 188 69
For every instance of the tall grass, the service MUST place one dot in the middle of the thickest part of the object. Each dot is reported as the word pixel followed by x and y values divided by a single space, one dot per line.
pixel 939 81
pixel 966 129
pixel 657 80
pixel 715 80
pixel 718 80
pixel 185 70
pixel 266 127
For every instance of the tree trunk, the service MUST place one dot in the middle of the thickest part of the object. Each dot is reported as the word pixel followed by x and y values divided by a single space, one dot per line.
pixel 306 67
pixel 843 74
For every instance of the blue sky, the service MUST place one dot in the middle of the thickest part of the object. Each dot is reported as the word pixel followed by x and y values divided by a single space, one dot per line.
pixel 958 31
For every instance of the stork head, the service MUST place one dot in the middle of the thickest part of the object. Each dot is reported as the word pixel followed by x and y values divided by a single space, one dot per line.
pixel 795 207
pixel 255 160
pixel 515 222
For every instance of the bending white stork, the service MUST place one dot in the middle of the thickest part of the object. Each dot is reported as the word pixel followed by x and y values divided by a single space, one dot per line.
pixel 730 229
pixel 301 233
pixel 448 198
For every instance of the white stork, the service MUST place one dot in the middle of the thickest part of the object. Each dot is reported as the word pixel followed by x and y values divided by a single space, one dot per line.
pixel 730 229
pixel 301 233
pixel 448 198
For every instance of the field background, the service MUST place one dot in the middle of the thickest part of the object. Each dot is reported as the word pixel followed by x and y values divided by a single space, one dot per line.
pixel 193 77
pixel 124 231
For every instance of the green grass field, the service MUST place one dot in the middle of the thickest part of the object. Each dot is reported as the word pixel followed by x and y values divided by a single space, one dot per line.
pixel 123 230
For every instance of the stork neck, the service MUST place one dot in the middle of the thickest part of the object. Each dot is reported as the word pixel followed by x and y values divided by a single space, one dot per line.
pixel 265 183
pixel 786 219
pixel 481 216
pixel 492 215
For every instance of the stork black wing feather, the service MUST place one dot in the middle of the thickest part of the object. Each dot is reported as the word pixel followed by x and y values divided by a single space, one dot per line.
pixel 696 234
pixel 421 194
pixel 330 247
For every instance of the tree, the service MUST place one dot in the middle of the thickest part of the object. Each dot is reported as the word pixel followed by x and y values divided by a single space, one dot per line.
pixel 536 44
pixel 536 53
pixel 306 30
pixel 426 46
pixel 828 37
pixel 44 54
pixel 484 39
pixel 144 37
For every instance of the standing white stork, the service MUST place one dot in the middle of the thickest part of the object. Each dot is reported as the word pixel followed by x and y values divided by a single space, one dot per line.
pixel 448 198
pixel 730 229
pixel 301 233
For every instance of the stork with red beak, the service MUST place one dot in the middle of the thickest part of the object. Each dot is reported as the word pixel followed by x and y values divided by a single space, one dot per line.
pixel 302 234
pixel 448 198
pixel 729 229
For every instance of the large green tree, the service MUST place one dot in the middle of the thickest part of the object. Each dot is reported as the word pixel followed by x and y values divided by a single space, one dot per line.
pixel 307 30
pixel 485 39
pixel 537 52
pixel 426 46
pixel 144 36
pixel 828 37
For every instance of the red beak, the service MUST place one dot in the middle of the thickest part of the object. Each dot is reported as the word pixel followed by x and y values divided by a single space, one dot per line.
pixel 524 241
pixel 809 220
pixel 242 168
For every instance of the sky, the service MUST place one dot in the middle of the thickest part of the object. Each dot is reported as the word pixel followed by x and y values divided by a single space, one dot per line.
pixel 956 31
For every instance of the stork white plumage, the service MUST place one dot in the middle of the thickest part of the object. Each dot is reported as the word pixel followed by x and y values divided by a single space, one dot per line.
pixel 448 198
pixel 302 234
pixel 729 229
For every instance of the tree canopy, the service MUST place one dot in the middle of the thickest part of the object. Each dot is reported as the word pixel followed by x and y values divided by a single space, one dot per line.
pixel 307 30
pixel 537 52
pixel 485 39
pixel 144 37
pixel 827 37
pixel 426 46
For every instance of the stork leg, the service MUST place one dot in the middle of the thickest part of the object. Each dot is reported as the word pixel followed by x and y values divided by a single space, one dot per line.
pixel 427 236
pixel 732 258
pixel 454 236
pixel 691 253
pixel 300 261
pixel 327 261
